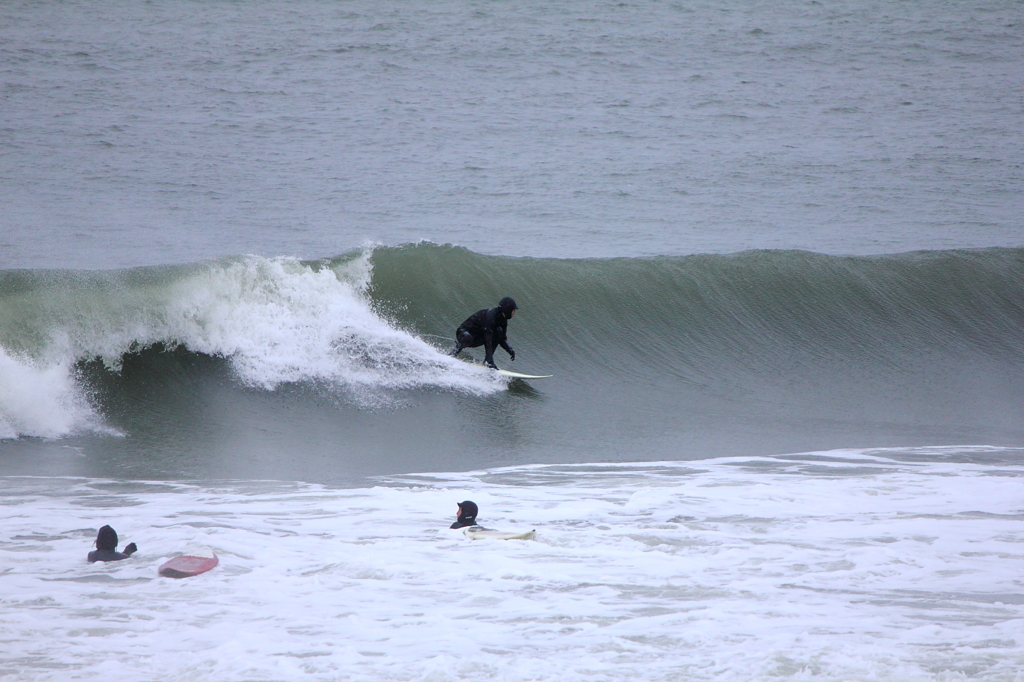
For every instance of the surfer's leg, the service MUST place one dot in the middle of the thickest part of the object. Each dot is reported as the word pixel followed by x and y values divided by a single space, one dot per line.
pixel 463 339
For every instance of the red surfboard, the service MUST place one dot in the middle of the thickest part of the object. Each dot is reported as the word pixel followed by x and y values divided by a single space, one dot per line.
pixel 188 565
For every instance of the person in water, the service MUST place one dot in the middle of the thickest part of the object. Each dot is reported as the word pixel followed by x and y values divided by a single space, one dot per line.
pixel 466 515
pixel 106 547
pixel 487 328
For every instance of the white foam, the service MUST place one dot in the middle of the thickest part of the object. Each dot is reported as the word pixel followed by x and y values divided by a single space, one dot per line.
pixel 276 320
pixel 41 400
pixel 281 321
pixel 730 569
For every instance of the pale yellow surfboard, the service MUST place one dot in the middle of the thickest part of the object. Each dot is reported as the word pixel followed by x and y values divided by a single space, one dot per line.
pixel 477 533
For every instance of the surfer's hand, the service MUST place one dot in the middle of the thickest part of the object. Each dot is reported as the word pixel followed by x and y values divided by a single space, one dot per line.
pixel 512 355
pixel 131 549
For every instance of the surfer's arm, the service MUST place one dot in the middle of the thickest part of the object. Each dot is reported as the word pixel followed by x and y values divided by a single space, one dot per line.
pixel 489 347
pixel 111 555
pixel 508 349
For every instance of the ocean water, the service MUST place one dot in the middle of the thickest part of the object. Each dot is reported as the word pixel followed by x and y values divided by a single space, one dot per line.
pixel 772 254
pixel 887 564
pixel 150 133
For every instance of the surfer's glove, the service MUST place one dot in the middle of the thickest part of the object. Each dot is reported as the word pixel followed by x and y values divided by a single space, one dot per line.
pixel 130 549
pixel 511 354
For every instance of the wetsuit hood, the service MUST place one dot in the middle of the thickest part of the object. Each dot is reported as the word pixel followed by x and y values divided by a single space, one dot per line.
pixel 106 538
pixel 507 305
pixel 467 514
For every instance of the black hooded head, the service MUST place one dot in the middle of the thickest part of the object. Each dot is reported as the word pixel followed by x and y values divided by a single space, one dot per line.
pixel 106 538
pixel 507 305
pixel 467 513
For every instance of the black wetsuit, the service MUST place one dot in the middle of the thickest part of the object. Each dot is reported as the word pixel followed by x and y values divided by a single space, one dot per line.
pixel 111 554
pixel 487 328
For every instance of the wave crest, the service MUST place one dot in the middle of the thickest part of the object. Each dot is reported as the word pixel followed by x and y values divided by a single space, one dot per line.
pixel 276 321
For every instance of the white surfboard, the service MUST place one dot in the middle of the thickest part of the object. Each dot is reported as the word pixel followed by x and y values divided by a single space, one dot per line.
pixel 517 375
pixel 478 533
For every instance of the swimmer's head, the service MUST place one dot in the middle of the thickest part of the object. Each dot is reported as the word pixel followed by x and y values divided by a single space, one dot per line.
pixel 106 538
pixel 467 512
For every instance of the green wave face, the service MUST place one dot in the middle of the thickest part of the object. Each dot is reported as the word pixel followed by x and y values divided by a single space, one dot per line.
pixel 759 311
pixel 338 368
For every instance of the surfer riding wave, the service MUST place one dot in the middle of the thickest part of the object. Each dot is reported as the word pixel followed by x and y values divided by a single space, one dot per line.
pixel 487 328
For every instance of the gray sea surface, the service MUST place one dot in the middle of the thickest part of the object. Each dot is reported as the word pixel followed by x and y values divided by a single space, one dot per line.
pixel 139 133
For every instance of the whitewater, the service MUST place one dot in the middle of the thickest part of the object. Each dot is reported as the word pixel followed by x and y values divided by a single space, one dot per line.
pixel 886 564
pixel 276 320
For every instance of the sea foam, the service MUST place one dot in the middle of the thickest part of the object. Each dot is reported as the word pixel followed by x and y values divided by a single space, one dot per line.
pixel 280 320
pixel 847 565
pixel 43 402
pixel 276 321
